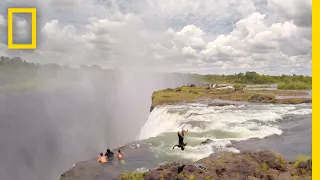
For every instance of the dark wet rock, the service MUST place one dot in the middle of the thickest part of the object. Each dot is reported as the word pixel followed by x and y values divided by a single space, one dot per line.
pixel 92 170
pixel 169 89
pixel 260 98
pixel 264 164
pixel 207 141
pixel 151 108
pixel 220 104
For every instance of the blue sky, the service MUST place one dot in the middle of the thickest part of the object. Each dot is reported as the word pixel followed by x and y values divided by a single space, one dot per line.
pixel 208 36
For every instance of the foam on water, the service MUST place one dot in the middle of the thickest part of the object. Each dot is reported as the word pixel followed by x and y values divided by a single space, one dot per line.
pixel 221 124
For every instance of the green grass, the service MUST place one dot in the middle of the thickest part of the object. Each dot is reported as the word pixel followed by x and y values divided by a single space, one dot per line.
pixel 294 86
pixel 191 94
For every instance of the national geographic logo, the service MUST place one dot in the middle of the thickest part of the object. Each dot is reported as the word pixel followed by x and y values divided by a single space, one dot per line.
pixel 33 44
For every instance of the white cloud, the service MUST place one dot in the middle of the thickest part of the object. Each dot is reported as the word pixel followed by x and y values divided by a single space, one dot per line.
pixel 3 25
pixel 180 35
pixel 255 45
pixel 297 10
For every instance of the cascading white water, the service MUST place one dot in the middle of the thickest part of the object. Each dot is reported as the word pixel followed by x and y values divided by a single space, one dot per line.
pixel 220 124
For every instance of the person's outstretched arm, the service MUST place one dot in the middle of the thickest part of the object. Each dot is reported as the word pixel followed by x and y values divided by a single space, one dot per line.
pixel 185 131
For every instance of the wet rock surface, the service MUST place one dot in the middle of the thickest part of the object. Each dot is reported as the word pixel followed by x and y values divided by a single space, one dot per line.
pixel 207 141
pixel 220 104
pixel 134 158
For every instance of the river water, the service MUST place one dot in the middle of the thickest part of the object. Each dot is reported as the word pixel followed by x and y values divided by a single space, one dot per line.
pixel 234 128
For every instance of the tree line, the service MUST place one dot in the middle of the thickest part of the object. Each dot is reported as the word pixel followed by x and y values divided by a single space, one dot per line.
pixel 251 77
pixel 15 69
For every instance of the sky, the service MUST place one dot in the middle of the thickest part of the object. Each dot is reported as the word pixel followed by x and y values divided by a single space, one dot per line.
pixel 193 36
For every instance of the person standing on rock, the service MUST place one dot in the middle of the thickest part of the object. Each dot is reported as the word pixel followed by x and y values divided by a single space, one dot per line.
pixel 181 137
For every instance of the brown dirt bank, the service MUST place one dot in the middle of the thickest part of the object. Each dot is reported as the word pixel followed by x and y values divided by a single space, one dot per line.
pixel 264 164
pixel 192 94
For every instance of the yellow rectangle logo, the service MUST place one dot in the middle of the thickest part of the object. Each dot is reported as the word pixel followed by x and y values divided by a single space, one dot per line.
pixel 33 12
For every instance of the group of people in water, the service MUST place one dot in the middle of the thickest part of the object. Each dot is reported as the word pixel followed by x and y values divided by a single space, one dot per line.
pixel 109 155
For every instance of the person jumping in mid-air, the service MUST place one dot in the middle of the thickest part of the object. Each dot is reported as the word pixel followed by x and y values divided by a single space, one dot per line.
pixel 181 137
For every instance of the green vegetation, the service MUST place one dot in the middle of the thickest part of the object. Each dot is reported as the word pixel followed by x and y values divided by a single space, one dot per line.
pixel 191 94
pixel 209 178
pixel 257 170
pixel 265 166
pixel 301 158
pixel 62 178
pixel 283 81
pixel 132 176
pixel 16 73
pixel 181 175
pixel 294 85
pixel 280 159
pixel 14 70
pixel 192 177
